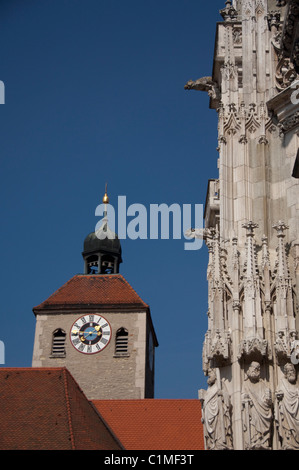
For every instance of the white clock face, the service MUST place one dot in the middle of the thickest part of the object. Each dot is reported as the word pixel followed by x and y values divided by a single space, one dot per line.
pixel 90 334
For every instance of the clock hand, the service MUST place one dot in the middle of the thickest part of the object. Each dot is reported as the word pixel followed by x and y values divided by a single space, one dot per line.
pixel 84 336
pixel 76 332
pixel 90 333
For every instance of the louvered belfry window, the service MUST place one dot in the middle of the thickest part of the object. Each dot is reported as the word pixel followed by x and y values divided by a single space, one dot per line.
pixel 121 342
pixel 58 343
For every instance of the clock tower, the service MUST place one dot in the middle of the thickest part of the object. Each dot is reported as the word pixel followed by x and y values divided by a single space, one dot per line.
pixel 98 327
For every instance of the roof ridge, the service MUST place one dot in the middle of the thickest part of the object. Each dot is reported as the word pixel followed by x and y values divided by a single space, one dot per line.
pixel 107 426
pixel 68 407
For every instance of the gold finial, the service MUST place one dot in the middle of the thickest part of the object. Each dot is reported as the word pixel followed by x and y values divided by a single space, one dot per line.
pixel 106 198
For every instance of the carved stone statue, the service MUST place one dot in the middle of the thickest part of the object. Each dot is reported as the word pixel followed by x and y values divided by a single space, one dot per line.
pixel 287 409
pixel 257 410
pixel 216 414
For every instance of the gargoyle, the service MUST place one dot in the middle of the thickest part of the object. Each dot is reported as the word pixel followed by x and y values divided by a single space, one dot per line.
pixel 203 84
pixel 201 233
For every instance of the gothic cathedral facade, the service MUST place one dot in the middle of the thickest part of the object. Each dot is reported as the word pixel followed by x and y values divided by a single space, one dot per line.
pixel 251 347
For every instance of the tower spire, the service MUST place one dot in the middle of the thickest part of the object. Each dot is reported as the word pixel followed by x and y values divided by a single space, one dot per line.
pixel 105 201
pixel 102 249
pixel 105 197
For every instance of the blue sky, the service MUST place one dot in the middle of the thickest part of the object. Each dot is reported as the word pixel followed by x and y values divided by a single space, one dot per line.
pixel 94 93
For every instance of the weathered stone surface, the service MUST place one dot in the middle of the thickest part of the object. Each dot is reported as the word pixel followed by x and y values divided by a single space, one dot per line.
pixel 253 270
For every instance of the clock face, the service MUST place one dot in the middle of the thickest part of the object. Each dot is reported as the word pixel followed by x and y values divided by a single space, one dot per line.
pixel 90 334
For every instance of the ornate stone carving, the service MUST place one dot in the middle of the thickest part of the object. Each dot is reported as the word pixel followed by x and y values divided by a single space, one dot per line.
pixel 232 122
pixel 260 7
pixel 285 74
pixel 281 264
pixel 252 123
pixel 229 13
pixel 281 3
pixel 295 55
pixel 229 70
pixel 252 120
pixel 273 18
pixel 237 35
pixel 204 84
pixel 248 8
pixel 253 290
pixel 282 291
pixel 289 40
pixel 272 127
pixel 253 348
pixel 216 350
pixel 257 410
pixel 281 347
pixel 216 414
pixel 217 347
pixel 289 123
pixel 286 346
pixel 276 42
pixel 287 409
pixel 294 346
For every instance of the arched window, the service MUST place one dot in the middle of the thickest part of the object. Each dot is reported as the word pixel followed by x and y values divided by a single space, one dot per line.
pixel 58 343
pixel 107 264
pixel 92 264
pixel 121 342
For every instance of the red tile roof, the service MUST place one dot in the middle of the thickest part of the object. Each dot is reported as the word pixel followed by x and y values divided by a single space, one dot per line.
pixel 44 409
pixel 154 424
pixel 94 290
